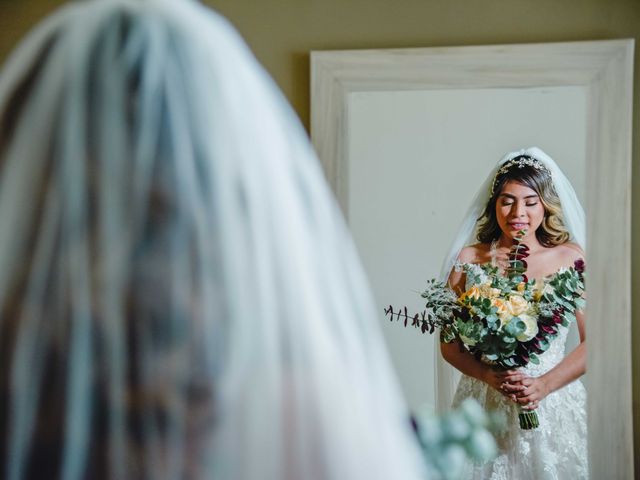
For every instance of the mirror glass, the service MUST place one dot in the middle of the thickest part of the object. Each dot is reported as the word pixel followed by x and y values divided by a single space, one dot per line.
pixel 415 161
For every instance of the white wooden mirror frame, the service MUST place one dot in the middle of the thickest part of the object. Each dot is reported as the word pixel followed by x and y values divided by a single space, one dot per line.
pixel 605 69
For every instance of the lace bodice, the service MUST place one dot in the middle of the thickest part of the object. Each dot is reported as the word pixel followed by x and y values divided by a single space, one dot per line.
pixel 549 359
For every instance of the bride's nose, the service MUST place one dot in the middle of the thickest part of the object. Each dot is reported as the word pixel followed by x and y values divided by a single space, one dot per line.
pixel 519 210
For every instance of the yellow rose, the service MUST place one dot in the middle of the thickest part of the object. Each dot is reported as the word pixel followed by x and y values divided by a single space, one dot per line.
pixel 521 287
pixel 500 305
pixel 503 311
pixel 517 305
pixel 473 292
pixel 487 291
pixel 480 291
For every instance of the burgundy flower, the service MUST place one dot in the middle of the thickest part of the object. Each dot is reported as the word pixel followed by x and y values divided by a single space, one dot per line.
pixel 522 248
pixel 579 265
pixel 534 345
pixel 546 320
pixel 548 329
pixel 557 317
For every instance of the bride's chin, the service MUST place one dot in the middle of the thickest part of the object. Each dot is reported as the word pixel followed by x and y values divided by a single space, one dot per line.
pixel 513 234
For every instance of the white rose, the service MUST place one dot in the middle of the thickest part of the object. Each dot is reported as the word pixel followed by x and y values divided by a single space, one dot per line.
pixel 531 328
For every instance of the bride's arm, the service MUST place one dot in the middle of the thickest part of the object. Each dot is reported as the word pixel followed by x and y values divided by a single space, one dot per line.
pixel 569 369
pixel 470 366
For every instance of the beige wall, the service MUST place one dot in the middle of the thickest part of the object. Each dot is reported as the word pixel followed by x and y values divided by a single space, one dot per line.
pixel 282 32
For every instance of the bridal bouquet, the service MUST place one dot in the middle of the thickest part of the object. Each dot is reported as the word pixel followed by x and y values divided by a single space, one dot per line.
pixel 504 319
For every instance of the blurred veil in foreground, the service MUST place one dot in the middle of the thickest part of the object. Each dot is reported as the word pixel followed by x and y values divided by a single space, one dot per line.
pixel 179 296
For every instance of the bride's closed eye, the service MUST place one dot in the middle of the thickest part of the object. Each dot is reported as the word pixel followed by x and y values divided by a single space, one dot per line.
pixel 507 203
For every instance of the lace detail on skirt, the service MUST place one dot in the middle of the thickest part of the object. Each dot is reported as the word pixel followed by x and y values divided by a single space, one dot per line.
pixel 557 450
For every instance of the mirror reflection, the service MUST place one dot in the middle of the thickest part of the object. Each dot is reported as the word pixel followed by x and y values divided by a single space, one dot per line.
pixel 417 159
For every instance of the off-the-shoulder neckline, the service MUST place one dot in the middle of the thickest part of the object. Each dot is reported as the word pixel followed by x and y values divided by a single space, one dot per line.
pixel 545 278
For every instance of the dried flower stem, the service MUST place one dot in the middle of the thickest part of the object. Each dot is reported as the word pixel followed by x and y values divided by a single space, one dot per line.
pixel 419 320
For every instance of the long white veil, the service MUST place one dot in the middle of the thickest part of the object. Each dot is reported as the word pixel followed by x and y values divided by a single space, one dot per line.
pixel 574 219
pixel 179 295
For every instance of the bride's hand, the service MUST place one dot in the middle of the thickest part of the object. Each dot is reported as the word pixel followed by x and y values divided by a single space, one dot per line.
pixel 506 382
pixel 535 389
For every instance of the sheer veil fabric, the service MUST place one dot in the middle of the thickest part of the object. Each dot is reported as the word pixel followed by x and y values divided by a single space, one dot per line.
pixel 574 217
pixel 179 295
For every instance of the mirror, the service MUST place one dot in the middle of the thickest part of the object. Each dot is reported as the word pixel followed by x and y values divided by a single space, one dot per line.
pixel 407 136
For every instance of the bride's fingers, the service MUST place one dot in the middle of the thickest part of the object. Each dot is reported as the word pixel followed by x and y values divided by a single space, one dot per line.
pixel 524 401
pixel 528 397
pixel 527 381
pixel 510 396
pixel 514 378
pixel 511 388
pixel 531 405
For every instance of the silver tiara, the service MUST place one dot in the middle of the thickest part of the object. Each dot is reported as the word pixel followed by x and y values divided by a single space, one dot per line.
pixel 520 162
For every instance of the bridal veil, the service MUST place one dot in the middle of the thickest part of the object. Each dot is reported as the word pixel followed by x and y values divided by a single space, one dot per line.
pixel 179 295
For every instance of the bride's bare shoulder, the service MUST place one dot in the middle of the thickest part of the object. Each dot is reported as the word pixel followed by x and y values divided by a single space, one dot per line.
pixel 477 253
pixel 571 251
pixel 567 253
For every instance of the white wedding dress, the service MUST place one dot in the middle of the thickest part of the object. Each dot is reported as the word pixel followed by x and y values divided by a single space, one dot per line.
pixel 557 449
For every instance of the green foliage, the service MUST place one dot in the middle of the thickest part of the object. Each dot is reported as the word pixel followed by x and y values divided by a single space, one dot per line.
pixel 449 440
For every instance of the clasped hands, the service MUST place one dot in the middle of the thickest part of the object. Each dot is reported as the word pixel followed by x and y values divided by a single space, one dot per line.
pixel 518 387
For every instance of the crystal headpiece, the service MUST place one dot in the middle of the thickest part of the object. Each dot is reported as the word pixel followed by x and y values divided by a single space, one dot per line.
pixel 520 162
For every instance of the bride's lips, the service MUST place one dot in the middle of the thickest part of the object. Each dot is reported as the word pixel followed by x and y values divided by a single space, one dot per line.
pixel 518 226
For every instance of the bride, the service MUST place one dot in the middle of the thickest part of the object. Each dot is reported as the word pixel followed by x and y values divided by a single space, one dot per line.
pixel 527 191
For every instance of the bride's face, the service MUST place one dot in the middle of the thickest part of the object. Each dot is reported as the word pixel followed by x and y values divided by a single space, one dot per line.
pixel 519 208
